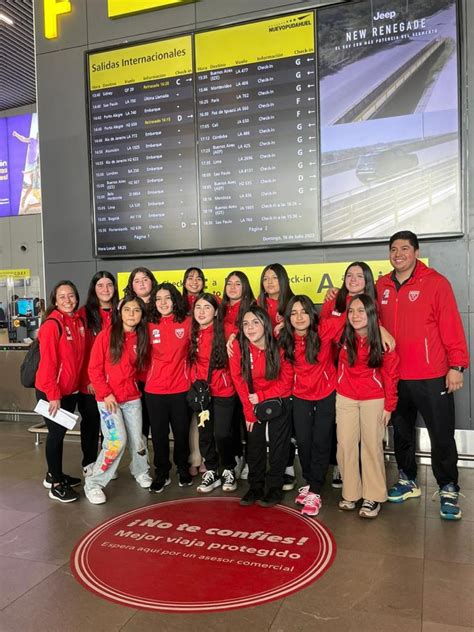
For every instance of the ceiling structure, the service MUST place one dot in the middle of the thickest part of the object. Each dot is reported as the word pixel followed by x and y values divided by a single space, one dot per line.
pixel 17 55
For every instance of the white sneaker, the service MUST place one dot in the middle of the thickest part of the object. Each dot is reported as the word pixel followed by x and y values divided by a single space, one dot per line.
pixel 88 470
pixel 95 495
pixel 144 480
pixel 244 474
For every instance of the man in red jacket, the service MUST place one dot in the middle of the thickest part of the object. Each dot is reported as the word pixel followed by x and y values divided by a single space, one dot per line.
pixel 418 308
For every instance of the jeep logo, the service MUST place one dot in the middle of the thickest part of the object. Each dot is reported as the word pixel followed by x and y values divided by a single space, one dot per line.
pixel 388 15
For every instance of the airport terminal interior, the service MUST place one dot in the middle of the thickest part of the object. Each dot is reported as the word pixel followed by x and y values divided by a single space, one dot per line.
pixel 227 135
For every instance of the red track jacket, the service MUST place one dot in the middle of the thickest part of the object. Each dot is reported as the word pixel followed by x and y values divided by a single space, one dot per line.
pixel 106 318
pixel 361 382
pixel 316 381
pixel 62 355
pixel 221 381
pixel 265 389
pixel 424 319
pixel 168 372
pixel 118 379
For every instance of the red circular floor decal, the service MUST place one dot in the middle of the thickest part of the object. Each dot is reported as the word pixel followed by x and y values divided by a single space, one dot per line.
pixel 202 555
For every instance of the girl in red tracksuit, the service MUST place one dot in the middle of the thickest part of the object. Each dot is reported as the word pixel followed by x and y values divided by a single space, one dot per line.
pixel 167 384
pixel 366 397
pixel 142 283
pixel 208 350
pixel 358 279
pixel 57 379
pixel 98 313
pixel 118 355
pixel 260 372
pixel 237 298
pixel 275 292
pixel 309 349
pixel 193 286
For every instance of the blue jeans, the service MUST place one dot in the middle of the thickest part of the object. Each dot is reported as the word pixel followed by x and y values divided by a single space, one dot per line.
pixel 117 427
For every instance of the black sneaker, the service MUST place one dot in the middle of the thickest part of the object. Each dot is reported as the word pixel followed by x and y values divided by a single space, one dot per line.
pixel 63 493
pixel 251 497
pixel 210 480
pixel 336 478
pixel 272 497
pixel 185 480
pixel 158 485
pixel 289 483
pixel 72 481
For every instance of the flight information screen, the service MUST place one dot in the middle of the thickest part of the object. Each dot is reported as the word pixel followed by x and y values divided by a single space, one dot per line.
pixel 143 148
pixel 256 121
pixel 206 142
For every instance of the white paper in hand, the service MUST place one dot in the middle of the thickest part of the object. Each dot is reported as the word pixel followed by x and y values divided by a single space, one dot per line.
pixel 63 417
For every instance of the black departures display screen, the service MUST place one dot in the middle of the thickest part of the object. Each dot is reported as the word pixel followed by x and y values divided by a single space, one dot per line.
pixel 323 126
pixel 143 148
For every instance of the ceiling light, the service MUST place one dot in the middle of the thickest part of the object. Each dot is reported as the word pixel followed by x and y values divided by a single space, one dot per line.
pixel 6 19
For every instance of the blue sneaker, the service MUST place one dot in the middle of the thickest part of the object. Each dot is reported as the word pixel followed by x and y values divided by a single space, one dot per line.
pixel 404 489
pixel 448 496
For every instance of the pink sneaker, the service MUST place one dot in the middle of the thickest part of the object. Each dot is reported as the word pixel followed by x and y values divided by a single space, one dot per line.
pixel 312 504
pixel 303 492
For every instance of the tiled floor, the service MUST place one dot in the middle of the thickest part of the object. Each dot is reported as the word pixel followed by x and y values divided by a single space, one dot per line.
pixel 407 571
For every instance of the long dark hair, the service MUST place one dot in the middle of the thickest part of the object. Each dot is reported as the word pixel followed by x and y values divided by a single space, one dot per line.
pixel 219 358
pixel 185 278
pixel 283 281
pixel 373 333
pixel 272 350
pixel 369 289
pixel 179 306
pixel 52 296
pixel 247 299
pixel 128 289
pixel 287 334
pixel 117 335
pixel 92 304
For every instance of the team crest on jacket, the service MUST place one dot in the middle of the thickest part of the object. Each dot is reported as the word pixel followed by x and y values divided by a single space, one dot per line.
pixel 386 294
pixel 413 295
pixel 179 333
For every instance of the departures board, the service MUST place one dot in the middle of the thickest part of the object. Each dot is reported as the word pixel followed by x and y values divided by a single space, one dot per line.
pixel 206 141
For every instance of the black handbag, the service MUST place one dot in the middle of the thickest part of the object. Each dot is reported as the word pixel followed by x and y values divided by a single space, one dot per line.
pixel 268 409
pixel 199 394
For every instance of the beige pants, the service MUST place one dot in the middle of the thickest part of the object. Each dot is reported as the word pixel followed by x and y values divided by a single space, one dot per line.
pixel 194 454
pixel 360 422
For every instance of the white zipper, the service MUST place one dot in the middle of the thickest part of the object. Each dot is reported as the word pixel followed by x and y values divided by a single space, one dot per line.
pixel 376 380
pixel 59 372
pixel 326 376
pixel 427 352
pixel 342 374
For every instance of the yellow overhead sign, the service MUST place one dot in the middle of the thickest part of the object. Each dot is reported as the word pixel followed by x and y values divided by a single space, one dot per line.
pixel 142 63
pixel 17 273
pixel 52 9
pixel 255 42
pixel 118 8
pixel 312 279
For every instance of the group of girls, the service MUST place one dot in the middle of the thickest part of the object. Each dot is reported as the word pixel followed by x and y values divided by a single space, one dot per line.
pixel 139 360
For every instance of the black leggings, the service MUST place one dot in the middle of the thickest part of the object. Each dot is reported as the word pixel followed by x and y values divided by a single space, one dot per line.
pixel 279 439
pixel 165 411
pixel 55 438
pixel 216 439
pixel 90 427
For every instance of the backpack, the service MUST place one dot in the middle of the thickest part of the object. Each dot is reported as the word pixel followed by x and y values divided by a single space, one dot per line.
pixel 31 361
